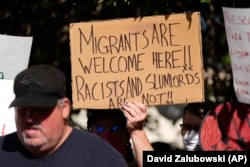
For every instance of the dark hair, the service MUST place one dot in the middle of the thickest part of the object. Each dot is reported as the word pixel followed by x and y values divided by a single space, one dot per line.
pixel 93 114
pixel 200 109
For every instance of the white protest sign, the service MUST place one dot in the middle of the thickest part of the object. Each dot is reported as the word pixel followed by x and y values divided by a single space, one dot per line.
pixel 7 119
pixel 237 24
pixel 14 55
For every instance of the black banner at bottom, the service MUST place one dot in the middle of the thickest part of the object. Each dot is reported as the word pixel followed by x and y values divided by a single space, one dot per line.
pixel 195 158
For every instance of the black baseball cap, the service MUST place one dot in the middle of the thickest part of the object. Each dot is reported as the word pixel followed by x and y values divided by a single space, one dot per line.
pixel 39 86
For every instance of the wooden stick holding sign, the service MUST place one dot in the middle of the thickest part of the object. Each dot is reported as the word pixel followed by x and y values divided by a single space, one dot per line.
pixel 154 60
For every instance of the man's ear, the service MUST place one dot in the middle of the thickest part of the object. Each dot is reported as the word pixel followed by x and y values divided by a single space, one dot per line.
pixel 66 108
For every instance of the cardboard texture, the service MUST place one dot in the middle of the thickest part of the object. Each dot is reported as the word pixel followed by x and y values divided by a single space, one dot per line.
pixel 155 60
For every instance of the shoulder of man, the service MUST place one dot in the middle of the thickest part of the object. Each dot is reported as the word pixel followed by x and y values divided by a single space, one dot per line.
pixel 92 148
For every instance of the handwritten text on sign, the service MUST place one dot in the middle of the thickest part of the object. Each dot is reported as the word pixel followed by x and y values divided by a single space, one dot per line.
pixel 237 23
pixel 155 60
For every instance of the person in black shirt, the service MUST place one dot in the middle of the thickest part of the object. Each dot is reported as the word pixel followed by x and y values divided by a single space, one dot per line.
pixel 44 137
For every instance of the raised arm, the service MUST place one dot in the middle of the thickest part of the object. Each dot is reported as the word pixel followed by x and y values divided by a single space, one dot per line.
pixel 136 114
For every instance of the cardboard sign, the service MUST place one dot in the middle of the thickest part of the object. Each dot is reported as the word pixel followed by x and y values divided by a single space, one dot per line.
pixel 14 55
pixel 238 37
pixel 154 60
pixel 7 118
